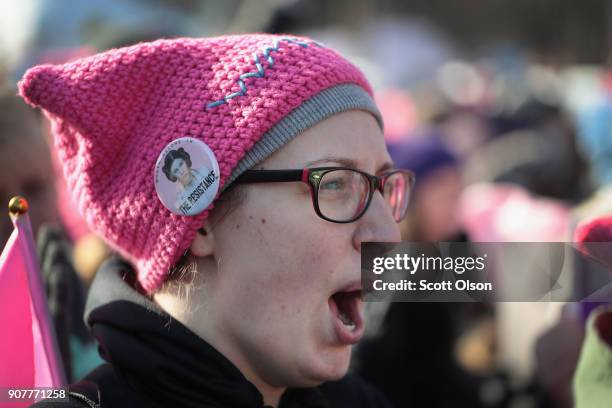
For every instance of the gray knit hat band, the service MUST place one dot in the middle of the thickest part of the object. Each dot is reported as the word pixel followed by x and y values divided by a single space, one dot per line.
pixel 326 103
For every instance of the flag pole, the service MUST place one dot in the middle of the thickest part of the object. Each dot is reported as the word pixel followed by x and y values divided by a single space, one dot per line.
pixel 18 211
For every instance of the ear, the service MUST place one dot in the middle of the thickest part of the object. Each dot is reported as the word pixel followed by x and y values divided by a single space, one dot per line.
pixel 203 243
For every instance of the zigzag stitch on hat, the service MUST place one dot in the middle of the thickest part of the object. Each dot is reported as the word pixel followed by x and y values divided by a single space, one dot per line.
pixel 260 69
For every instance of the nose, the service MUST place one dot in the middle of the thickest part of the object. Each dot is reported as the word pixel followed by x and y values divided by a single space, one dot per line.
pixel 377 224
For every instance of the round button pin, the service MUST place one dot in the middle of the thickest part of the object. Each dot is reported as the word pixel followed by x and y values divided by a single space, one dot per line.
pixel 187 176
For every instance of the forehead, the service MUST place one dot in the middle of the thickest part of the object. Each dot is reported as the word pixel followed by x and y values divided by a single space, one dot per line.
pixel 177 162
pixel 353 135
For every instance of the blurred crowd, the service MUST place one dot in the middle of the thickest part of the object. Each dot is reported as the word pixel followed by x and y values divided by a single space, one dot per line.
pixel 505 145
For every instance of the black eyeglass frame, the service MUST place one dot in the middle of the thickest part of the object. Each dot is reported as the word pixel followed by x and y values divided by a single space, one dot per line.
pixel 313 177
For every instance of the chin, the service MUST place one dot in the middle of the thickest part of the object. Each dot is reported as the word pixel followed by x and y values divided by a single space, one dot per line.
pixel 332 365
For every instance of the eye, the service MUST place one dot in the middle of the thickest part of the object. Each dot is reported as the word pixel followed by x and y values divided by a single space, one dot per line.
pixel 333 184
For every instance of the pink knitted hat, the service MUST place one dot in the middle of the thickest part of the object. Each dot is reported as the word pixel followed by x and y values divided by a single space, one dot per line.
pixel 113 113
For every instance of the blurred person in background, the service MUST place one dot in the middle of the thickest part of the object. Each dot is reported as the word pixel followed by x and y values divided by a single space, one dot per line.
pixel 432 216
pixel 422 353
pixel 534 147
pixel 27 170
pixel 25 163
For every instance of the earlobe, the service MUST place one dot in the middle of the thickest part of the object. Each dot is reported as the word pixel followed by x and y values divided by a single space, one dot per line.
pixel 203 243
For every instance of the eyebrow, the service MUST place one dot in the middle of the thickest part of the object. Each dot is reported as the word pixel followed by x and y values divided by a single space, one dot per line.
pixel 346 162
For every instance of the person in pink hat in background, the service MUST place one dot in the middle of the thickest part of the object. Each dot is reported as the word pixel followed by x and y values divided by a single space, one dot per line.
pixel 249 294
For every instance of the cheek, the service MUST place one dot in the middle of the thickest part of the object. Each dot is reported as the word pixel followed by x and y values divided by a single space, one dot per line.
pixel 289 263
pixel 276 296
pixel 281 266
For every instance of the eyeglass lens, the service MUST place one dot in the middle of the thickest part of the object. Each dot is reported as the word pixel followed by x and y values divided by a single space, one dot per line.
pixel 344 194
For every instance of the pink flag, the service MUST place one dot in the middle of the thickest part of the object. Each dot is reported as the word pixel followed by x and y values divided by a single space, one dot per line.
pixel 28 352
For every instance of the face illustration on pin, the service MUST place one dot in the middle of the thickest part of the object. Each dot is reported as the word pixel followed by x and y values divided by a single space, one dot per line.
pixel 187 176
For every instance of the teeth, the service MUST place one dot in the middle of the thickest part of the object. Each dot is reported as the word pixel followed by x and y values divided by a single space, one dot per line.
pixel 346 321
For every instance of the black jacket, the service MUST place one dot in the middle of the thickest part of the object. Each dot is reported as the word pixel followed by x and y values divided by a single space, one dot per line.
pixel 155 361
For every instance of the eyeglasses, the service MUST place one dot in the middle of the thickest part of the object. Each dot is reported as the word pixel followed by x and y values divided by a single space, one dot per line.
pixel 342 194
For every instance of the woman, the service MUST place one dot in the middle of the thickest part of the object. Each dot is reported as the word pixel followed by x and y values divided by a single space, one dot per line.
pixel 256 299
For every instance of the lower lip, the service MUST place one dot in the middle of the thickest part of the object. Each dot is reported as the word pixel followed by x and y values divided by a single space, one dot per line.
pixel 344 334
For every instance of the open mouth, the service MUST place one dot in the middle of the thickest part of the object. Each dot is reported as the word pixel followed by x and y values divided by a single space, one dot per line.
pixel 345 306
